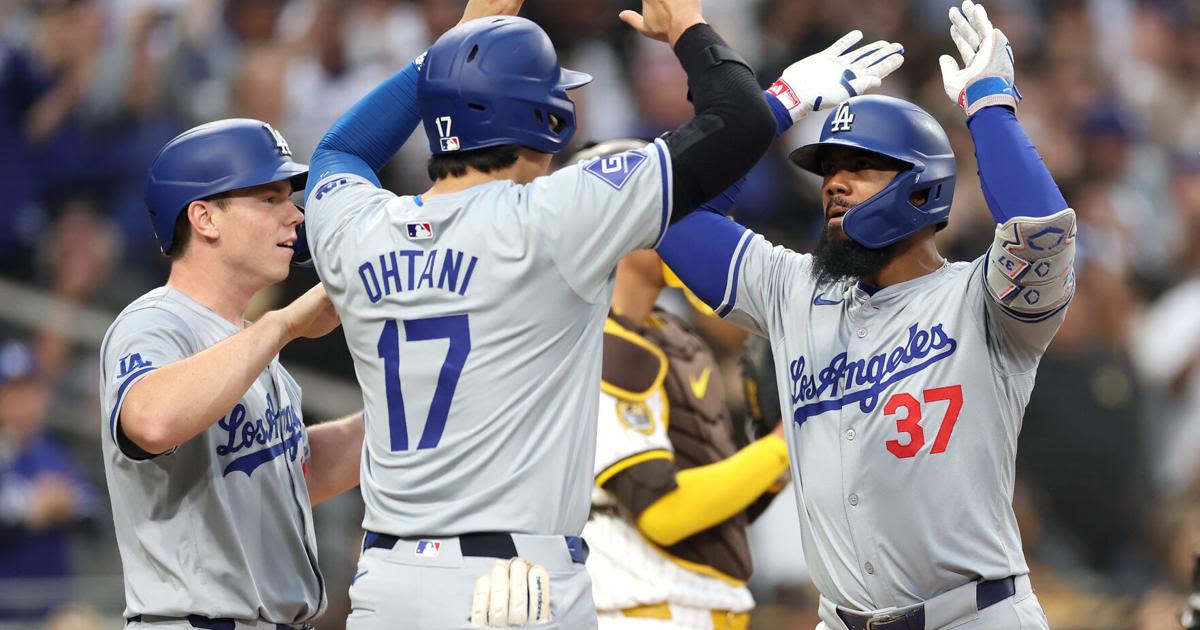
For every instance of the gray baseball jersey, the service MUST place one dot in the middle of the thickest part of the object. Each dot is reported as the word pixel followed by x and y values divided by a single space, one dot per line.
pixel 220 526
pixel 906 404
pixel 475 321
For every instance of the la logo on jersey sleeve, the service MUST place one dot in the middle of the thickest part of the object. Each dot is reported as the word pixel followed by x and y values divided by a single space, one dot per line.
pixel 616 170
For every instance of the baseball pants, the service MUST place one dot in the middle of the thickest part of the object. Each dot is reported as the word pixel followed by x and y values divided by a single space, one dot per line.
pixel 410 587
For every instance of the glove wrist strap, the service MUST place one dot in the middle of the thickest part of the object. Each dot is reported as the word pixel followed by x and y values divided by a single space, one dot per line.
pixel 986 92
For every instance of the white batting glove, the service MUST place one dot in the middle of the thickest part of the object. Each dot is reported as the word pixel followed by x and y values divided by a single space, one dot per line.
pixel 824 80
pixel 514 593
pixel 987 76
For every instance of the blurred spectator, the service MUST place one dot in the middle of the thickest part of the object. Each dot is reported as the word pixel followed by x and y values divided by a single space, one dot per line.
pixel 1082 439
pixel 42 495
pixel 212 39
pixel 324 82
pixel 1174 542
pixel 1168 345
pixel 1133 175
pixel 42 145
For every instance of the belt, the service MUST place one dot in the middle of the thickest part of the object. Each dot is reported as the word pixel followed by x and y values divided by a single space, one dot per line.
pixel 482 545
pixel 721 619
pixel 986 594
pixel 208 623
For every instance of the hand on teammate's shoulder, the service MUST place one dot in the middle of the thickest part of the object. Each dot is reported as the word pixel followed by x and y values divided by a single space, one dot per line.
pixel 311 315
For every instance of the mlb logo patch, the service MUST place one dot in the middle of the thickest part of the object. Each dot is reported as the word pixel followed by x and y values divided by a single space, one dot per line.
pixel 450 144
pixel 420 231
pixel 428 548
pixel 616 170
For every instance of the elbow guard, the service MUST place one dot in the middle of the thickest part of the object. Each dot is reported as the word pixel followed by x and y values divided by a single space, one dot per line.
pixel 1031 264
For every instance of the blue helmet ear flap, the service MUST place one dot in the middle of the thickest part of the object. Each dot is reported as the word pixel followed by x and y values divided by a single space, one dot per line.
pixel 890 215
pixel 301 254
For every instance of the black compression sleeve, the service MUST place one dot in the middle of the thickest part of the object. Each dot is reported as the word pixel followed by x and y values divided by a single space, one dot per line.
pixel 732 127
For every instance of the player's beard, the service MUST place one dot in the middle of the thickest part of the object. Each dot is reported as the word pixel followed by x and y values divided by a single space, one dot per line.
pixel 838 257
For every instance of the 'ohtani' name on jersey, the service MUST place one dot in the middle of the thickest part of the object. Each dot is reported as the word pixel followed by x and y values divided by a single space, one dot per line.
pixel 413 269
pixel 843 381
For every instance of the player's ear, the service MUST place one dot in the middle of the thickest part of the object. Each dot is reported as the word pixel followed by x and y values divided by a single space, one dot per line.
pixel 202 214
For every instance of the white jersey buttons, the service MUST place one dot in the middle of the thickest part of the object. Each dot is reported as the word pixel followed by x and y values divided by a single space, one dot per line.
pixel 850 434
pixel 862 332
pixel 854 499
pixel 870 568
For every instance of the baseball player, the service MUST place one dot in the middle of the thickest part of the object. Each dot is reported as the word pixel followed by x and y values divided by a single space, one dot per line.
pixel 211 471
pixel 905 376
pixel 475 311
pixel 673 494
pixel 676 484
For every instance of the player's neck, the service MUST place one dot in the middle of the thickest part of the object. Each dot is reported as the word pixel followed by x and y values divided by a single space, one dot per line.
pixel 221 293
pixel 916 259
pixel 529 166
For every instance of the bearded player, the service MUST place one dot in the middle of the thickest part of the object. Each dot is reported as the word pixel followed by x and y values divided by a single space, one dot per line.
pixel 905 376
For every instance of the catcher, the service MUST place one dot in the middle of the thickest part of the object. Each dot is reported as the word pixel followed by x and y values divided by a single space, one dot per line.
pixel 676 483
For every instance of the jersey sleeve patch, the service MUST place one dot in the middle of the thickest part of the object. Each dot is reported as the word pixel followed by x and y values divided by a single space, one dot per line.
pixel 632 366
pixel 616 170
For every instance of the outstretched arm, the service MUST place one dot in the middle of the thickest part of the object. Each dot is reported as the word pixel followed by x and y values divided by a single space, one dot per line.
pixel 731 127
pixel 1030 276
pixel 363 140
pixel 1015 180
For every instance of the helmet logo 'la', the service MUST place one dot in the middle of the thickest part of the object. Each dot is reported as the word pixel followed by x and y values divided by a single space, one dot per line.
pixel 843 119
pixel 280 143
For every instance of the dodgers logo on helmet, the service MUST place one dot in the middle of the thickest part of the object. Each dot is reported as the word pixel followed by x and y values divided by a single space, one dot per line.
pixel 902 131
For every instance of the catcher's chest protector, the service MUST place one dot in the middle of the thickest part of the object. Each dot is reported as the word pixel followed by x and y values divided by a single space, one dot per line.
pixel 701 432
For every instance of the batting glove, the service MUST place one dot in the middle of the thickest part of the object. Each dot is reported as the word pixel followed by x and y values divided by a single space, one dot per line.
pixel 824 80
pixel 987 76
pixel 514 593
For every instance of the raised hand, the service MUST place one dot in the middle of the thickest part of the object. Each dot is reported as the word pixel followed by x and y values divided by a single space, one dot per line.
pixel 987 77
pixel 664 20
pixel 835 74
pixel 487 8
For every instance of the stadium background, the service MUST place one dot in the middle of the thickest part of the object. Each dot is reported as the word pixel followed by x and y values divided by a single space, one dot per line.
pixel 1109 473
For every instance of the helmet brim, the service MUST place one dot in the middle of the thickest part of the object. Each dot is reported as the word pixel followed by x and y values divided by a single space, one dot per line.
pixel 808 157
pixel 571 79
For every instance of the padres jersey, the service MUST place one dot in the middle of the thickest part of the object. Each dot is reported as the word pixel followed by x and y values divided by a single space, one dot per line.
pixel 475 319
pixel 637 426
pixel 906 403
pixel 220 526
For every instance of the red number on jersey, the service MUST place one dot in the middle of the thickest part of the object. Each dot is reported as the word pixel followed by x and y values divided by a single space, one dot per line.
pixel 952 395
pixel 910 423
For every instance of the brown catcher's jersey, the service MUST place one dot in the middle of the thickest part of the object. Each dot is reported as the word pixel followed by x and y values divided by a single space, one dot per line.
pixel 662 409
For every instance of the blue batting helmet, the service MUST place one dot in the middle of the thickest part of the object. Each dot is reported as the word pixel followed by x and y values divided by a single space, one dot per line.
pixel 214 158
pixel 902 131
pixel 496 81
